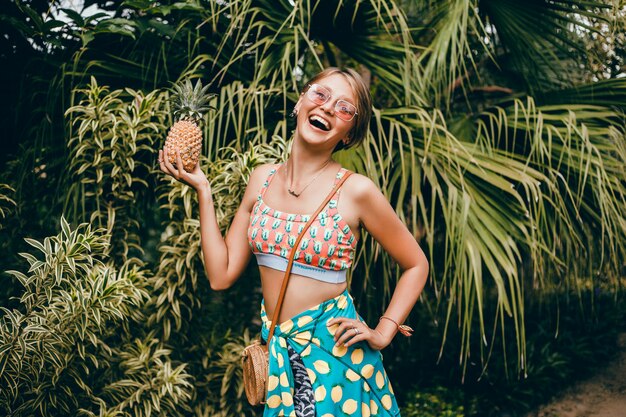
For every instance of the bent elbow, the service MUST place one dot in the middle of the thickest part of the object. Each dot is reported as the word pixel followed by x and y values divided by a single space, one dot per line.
pixel 219 286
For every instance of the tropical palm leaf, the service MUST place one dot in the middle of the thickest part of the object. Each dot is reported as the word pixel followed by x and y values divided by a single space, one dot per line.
pixel 539 34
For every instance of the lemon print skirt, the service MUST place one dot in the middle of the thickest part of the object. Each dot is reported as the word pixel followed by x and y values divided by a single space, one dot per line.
pixel 345 381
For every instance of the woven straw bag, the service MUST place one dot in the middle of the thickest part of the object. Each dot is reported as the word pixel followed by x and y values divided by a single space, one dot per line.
pixel 255 363
pixel 255 357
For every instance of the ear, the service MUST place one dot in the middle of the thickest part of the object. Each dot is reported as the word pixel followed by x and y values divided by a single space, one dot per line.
pixel 298 104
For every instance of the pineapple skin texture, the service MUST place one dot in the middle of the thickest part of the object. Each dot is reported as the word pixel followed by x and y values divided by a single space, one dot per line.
pixel 185 136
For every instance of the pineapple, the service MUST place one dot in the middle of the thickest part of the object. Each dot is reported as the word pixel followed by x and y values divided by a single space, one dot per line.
pixel 190 104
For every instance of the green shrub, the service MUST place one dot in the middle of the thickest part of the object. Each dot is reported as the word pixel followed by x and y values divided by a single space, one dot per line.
pixel 437 401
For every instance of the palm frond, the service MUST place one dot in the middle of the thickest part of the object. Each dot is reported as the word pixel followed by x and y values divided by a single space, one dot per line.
pixel 541 34
pixel 452 30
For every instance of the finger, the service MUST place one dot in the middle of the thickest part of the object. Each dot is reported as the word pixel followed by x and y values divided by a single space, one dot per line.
pixel 197 169
pixel 355 339
pixel 339 320
pixel 341 327
pixel 179 161
pixel 344 328
pixel 348 335
pixel 162 163
pixel 160 160
pixel 172 170
pixel 182 172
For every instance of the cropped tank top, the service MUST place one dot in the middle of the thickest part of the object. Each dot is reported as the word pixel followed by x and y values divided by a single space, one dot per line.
pixel 326 251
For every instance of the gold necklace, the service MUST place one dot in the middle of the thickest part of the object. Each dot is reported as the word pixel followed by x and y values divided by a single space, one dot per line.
pixel 293 192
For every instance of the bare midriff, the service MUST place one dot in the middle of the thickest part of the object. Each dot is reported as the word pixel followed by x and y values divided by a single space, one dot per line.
pixel 302 292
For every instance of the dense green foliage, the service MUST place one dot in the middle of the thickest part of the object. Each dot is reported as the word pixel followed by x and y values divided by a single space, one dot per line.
pixel 498 136
pixel 440 402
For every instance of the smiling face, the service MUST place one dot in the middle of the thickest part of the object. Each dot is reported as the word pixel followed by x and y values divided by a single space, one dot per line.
pixel 318 124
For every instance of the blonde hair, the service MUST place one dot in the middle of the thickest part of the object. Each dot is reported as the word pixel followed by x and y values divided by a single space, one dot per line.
pixel 363 105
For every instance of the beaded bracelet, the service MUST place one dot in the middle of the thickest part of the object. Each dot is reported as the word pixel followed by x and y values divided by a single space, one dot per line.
pixel 402 328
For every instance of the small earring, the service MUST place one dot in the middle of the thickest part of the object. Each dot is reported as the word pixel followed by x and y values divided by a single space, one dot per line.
pixel 293 113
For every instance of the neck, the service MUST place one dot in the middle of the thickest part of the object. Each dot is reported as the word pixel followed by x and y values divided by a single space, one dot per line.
pixel 302 163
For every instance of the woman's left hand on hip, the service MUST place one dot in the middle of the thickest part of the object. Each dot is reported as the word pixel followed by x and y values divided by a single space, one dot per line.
pixel 350 331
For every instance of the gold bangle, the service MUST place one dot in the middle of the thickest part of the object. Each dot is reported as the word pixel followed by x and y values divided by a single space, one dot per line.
pixel 402 328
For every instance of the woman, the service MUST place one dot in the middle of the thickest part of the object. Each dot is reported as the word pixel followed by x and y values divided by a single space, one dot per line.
pixel 324 359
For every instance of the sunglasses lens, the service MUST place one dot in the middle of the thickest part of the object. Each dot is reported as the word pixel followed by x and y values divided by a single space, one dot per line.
pixel 317 94
pixel 345 110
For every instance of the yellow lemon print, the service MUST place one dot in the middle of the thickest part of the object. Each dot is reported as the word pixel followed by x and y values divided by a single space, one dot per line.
pixel 386 401
pixel 306 352
pixel 316 341
pixel 287 399
pixel 367 371
pixel 352 376
pixel 273 401
pixel 342 302
pixel 357 356
pixel 373 407
pixel 273 351
pixel 365 410
pixel 272 382
pixel 339 351
pixel 328 307
pixel 286 326
pixel 336 393
pixel 284 381
pixel 332 329
pixel 349 406
pixel 320 393
pixel 366 386
pixel 321 366
pixel 282 342
pixel 380 379
pixel 304 320
pixel 312 375
pixel 303 338
pixel 390 389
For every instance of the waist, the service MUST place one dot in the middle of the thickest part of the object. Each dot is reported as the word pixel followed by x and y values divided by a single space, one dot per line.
pixel 320 274
pixel 340 305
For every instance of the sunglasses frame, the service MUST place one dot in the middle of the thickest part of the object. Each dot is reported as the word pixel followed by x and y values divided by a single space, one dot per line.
pixel 309 86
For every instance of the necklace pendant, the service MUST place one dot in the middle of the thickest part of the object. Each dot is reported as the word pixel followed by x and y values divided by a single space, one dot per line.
pixel 293 193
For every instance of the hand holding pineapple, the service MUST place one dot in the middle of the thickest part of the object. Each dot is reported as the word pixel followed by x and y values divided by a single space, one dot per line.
pixel 195 178
pixel 189 103
pixel 179 157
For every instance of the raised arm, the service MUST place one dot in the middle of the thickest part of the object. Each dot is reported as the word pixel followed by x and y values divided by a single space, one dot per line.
pixel 224 258
pixel 378 217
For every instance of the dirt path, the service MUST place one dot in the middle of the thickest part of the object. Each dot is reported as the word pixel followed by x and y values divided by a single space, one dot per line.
pixel 602 395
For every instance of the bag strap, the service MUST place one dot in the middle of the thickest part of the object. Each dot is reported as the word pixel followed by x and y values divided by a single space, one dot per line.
pixel 283 289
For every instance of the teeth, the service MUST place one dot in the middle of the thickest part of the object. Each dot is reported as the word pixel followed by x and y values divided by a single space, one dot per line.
pixel 322 121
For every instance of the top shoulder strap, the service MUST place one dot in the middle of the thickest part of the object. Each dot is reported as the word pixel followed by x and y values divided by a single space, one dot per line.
pixel 268 180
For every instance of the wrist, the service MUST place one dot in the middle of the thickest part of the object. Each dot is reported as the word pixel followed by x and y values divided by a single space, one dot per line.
pixel 386 332
pixel 385 337
pixel 402 328
pixel 204 189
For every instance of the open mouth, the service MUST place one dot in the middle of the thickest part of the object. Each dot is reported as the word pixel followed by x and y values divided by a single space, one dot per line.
pixel 319 123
